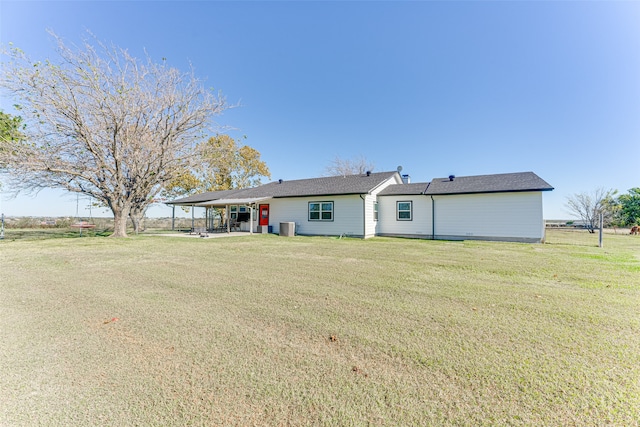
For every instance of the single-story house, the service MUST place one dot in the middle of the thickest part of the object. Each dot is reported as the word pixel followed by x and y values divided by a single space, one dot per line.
pixel 506 207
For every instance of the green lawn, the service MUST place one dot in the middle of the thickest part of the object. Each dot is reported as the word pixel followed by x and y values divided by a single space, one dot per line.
pixel 266 330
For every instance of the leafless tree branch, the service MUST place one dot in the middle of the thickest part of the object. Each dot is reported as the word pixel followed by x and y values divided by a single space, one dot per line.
pixel 355 166
pixel 589 206
pixel 103 123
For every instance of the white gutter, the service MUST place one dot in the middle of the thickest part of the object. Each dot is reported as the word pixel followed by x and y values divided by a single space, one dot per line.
pixel 225 202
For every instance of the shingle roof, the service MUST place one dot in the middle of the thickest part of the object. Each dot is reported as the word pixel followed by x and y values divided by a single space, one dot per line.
pixel 363 184
pixel 405 189
pixel 332 185
pixel 203 197
pixel 498 183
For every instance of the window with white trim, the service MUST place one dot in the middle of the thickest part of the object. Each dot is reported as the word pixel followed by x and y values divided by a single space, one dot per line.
pixel 404 210
pixel 375 211
pixel 320 211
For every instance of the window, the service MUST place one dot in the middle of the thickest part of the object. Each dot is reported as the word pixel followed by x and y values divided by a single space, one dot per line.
pixel 320 211
pixel 234 211
pixel 375 211
pixel 242 214
pixel 404 211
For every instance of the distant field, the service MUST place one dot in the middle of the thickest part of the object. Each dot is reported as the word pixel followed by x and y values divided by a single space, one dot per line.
pixel 43 227
pixel 264 330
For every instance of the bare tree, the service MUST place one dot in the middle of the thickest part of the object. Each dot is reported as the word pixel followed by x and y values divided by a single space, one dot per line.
pixel 589 206
pixel 355 166
pixel 103 123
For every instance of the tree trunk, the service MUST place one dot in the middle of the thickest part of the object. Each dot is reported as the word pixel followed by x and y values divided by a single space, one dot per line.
pixel 136 220
pixel 120 223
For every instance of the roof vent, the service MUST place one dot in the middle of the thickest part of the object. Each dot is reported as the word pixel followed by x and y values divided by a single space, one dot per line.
pixel 279 181
pixel 406 179
pixel 452 177
pixel 368 173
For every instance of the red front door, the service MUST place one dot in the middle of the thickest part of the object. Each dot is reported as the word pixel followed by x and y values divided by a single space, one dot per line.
pixel 264 215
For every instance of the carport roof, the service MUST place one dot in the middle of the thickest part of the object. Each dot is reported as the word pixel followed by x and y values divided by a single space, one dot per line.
pixel 236 201
pixel 203 197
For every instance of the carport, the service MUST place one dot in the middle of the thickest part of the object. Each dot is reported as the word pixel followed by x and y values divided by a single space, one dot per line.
pixel 249 202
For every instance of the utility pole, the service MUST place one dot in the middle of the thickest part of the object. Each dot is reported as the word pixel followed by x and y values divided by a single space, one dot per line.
pixel 600 235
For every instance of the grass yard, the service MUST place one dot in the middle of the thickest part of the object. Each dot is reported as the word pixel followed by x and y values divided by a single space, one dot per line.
pixel 264 330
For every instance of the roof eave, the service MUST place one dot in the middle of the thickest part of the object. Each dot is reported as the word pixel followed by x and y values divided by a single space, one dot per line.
pixel 319 195
pixel 246 201
pixel 489 191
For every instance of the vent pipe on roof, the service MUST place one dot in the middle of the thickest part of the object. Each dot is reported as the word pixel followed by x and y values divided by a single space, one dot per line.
pixel 368 173
pixel 452 177
pixel 279 181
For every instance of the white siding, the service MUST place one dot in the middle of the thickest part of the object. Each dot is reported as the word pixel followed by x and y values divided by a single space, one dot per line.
pixel 499 216
pixel 420 224
pixel 352 214
pixel 347 215
pixel 370 224
pixel 508 216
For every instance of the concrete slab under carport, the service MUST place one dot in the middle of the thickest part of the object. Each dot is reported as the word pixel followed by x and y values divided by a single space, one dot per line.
pixel 211 235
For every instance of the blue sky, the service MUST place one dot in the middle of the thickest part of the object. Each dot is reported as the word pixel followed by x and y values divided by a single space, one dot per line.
pixel 457 87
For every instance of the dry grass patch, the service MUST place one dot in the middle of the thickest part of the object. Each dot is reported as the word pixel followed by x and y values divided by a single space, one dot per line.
pixel 265 330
